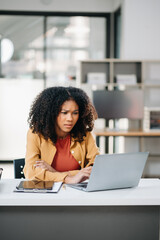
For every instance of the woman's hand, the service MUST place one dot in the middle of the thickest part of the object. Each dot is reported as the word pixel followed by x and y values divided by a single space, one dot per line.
pixel 42 164
pixel 81 176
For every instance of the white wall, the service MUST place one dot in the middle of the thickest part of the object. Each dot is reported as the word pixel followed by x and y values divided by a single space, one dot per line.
pixel 140 29
pixel 16 96
pixel 58 5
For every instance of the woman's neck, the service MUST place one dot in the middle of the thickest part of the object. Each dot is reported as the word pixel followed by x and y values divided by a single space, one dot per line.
pixel 63 137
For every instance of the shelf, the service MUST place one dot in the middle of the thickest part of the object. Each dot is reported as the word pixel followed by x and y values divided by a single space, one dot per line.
pixel 142 76
pixel 114 85
pixel 152 85
pixel 112 68
pixel 127 85
pixel 154 155
pixel 126 133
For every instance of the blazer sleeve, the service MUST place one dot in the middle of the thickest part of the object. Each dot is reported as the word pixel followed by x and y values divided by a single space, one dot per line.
pixel 33 153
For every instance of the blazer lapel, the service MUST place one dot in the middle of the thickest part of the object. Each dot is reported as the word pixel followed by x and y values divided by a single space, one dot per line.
pixel 48 151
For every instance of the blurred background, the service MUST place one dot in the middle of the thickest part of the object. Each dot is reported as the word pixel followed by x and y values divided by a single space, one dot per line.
pixel 42 43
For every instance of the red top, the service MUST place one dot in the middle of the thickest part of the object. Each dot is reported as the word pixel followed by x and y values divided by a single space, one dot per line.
pixel 63 160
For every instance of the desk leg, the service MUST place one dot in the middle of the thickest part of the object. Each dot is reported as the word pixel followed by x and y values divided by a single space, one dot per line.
pixel 95 223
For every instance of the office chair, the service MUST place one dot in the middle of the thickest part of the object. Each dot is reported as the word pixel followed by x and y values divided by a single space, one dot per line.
pixel 18 167
pixel 1 170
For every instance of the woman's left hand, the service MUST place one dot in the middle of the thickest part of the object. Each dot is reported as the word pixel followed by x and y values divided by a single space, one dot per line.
pixel 81 176
pixel 42 164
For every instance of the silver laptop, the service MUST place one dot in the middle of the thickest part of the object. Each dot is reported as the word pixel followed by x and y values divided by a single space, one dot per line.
pixel 114 171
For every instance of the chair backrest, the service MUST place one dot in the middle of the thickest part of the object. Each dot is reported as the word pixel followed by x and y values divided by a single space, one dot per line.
pixel 1 170
pixel 18 167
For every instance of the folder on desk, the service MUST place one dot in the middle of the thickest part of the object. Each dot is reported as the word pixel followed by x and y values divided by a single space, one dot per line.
pixel 35 186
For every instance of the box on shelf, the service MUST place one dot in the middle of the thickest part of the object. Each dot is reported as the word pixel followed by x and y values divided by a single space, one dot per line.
pixel 127 79
pixel 96 78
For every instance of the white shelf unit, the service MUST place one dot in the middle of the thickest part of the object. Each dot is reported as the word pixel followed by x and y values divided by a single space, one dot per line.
pixel 147 74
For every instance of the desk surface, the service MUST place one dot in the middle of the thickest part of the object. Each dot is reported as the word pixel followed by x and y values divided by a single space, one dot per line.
pixel 146 194
pixel 126 133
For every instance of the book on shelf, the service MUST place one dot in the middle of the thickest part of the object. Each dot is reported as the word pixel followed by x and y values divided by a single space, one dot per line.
pixel 151 119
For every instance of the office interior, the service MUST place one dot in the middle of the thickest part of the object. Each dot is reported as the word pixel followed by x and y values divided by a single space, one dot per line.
pixel 44 42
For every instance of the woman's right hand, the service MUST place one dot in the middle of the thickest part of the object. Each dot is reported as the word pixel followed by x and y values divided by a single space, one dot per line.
pixel 81 176
pixel 42 164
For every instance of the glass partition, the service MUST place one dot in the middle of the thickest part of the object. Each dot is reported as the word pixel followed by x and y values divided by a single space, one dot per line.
pixel 37 52
pixel 68 40
pixel 21 31
pixel 49 48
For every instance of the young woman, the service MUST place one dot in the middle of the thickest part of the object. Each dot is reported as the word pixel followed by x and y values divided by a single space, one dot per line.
pixel 60 145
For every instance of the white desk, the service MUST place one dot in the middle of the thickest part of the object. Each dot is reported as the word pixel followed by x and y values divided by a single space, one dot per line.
pixel 72 214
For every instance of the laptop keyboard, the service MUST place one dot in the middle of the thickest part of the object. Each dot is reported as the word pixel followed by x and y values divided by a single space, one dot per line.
pixel 84 185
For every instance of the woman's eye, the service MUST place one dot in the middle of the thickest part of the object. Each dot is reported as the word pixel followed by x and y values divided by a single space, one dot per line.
pixel 64 112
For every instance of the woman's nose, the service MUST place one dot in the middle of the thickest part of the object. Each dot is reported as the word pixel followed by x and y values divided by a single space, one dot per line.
pixel 69 117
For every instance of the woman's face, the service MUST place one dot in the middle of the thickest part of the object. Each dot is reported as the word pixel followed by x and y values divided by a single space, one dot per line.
pixel 67 118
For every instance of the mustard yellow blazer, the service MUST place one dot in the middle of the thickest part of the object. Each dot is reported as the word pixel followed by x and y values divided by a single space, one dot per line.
pixel 40 149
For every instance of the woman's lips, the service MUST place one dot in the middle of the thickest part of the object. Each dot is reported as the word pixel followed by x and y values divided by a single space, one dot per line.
pixel 68 125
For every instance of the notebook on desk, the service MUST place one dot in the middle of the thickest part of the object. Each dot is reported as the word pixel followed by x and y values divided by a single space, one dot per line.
pixel 114 171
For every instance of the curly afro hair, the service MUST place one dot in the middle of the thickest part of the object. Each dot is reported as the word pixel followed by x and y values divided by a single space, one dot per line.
pixel 47 105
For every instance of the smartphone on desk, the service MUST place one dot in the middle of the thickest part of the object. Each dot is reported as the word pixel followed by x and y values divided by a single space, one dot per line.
pixel 38 186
